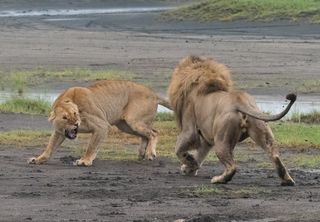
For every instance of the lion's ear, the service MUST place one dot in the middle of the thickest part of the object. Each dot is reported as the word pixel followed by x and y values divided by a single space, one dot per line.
pixel 52 115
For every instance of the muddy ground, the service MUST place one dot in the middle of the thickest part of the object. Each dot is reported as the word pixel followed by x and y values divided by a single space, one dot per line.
pixel 266 58
pixel 148 191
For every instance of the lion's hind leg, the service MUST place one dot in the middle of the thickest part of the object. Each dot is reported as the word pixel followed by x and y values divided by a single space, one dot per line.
pixel 224 152
pixel 224 142
pixel 261 133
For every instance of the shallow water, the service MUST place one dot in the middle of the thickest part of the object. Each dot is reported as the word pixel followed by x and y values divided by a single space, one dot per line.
pixel 269 104
pixel 70 12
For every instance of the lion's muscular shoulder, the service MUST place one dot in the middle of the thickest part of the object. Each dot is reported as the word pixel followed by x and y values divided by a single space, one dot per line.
pixel 199 75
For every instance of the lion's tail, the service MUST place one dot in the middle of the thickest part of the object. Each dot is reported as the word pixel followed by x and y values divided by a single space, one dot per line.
pixel 164 102
pixel 258 115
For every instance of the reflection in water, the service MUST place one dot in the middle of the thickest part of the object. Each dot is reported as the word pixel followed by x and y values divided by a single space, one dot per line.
pixel 265 103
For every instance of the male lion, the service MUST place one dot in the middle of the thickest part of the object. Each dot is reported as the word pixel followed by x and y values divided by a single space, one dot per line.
pixel 211 114
pixel 129 106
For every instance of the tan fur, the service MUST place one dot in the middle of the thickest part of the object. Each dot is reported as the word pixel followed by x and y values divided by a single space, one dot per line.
pixel 203 75
pixel 129 106
pixel 218 118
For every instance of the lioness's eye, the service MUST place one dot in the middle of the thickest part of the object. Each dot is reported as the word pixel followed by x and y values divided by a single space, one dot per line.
pixel 64 117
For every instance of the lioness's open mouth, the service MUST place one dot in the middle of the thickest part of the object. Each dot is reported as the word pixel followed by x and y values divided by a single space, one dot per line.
pixel 71 134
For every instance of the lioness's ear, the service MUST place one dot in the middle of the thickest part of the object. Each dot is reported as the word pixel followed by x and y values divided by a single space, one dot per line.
pixel 52 115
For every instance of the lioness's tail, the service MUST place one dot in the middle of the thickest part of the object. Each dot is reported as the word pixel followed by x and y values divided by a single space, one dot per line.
pixel 258 115
pixel 164 102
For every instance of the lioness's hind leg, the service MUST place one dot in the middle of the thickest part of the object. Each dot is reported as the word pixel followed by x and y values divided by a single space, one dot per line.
pixel 261 133
pixel 149 138
pixel 148 146
pixel 143 147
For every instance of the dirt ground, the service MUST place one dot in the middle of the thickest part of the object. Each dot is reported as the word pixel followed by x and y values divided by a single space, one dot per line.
pixel 148 191
pixel 266 58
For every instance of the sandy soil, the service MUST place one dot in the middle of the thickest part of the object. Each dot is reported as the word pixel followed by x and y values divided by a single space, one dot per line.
pixel 266 58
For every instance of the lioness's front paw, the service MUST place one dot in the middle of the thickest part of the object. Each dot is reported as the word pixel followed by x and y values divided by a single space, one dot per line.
pixel 150 156
pixel 189 170
pixel 82 162
pixel 37 160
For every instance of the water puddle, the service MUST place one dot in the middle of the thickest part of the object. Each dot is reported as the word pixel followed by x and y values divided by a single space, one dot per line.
pixel 268 104
pixel 303 105
pixel 71 12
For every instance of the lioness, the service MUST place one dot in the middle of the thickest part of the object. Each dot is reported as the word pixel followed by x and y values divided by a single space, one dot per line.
pixel 129 106
pixel 211 114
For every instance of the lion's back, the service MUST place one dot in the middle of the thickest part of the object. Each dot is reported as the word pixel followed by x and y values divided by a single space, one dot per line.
pixel 198 75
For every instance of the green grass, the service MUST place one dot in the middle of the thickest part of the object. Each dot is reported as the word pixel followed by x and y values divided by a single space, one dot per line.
pixel 23 138
pixel 83 74
pixel 253 10
pixel 306 161
pixel 25 105
pixel 18 83
pixel 168 132
pixel 297 135
pixel 310 118
pixel 18 80
pixel 205 190
pixel 309 86
pixel 287 134
pixel 165 116
pixel 124 147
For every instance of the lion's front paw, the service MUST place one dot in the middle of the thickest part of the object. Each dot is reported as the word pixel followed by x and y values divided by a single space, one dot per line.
pixel 82 162
pixel 218 179
pixel 189 170
pixel 289 182
pixel 37 160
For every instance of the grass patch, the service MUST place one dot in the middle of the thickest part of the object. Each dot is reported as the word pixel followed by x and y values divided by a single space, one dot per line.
pixel 249 191
pixel 168 132
pixel 165 116
pixel 19 80
pixel 252 10
pixel 306 161
pixel 22 138
pixel 309 86
pixel 25 105
pixel 122 146
pixel 204 190
pixel 310 118
pixel 18 83
pixel 297 135
pixel 207 190
pixel 83 74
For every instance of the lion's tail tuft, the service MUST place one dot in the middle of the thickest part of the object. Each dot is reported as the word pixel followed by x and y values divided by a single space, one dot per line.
pixel 292 97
